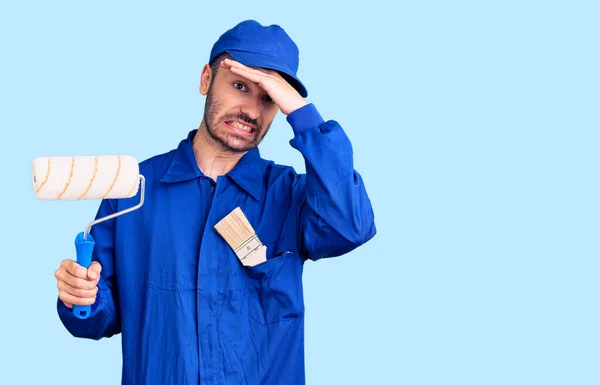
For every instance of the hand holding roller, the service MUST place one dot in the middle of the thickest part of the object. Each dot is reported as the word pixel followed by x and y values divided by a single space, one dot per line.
pixel 87 177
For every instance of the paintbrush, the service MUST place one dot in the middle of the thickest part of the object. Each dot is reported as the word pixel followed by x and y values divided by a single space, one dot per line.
pixel 241 237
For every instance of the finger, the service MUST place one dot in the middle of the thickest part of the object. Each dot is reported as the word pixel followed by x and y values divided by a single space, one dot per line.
pixel 77 292
pixel 71 299
pixel 64 276
pixel 93 272
pixel 73 268
pixel 228 63
pixel 68 304
pixel 252 76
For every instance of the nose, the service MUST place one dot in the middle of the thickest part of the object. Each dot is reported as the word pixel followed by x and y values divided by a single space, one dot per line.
pixel 252 107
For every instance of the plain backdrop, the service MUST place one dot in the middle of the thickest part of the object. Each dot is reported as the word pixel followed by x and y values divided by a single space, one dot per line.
pixel 475 126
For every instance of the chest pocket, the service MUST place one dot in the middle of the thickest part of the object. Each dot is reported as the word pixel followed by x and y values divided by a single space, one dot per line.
pixel 275 288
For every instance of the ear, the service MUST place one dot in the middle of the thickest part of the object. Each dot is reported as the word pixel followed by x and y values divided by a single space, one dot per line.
pixel 205 79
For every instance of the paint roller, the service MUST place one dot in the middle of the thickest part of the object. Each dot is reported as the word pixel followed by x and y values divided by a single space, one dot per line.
pixel 88 177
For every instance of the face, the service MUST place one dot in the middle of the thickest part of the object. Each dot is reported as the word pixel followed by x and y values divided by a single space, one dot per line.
pixel 238 113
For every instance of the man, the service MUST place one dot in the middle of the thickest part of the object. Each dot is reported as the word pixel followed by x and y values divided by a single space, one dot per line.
pixel 188 311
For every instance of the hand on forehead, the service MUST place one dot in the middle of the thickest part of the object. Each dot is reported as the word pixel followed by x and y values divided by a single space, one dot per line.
pixel 228 63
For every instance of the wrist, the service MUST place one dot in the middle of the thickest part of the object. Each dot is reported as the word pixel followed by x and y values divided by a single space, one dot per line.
pixel 293 107
pixel 304 118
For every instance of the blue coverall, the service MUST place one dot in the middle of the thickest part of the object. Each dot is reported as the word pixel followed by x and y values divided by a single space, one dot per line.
pixel 187 310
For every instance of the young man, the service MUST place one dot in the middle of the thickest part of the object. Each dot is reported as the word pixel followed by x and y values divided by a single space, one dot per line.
pixel 187 309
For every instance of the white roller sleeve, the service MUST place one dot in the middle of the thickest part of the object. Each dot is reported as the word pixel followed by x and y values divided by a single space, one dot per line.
pixel 85 177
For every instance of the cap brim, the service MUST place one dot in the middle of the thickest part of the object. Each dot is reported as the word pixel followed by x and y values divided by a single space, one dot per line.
pixel 251 59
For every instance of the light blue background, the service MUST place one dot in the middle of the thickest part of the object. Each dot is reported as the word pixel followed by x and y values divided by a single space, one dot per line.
pixel 474 124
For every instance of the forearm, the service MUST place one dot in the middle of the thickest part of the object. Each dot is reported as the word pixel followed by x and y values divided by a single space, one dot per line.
pixel 336 215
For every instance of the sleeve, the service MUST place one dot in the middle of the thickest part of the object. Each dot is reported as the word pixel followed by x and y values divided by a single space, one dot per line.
pixel 104 318
pixel 335 214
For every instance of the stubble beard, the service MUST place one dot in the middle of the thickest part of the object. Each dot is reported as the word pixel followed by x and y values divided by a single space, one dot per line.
pixel 227 140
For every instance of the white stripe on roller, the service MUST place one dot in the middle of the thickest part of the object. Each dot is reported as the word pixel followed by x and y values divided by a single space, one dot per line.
pixel 91 177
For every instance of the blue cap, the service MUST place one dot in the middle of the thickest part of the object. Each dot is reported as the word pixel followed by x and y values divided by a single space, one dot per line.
pixel 267 47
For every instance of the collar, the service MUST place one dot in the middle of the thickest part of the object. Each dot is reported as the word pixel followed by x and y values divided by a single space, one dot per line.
pixel 247 174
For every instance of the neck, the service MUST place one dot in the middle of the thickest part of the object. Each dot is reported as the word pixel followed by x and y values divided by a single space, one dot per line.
pixel 212 159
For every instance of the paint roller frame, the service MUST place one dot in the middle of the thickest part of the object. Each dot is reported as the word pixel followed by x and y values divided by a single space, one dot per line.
pixel 84 245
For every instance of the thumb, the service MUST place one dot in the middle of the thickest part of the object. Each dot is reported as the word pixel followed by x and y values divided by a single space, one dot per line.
pixel 93 272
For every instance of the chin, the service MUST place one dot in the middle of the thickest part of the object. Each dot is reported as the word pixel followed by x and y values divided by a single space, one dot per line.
pixel 238 144
pixel 232 142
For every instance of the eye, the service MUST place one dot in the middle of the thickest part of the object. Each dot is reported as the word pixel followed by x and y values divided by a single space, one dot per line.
pixel 239 86
pixel 268 99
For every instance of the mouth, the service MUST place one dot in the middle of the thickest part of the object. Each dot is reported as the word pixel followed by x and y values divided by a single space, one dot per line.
pixel 241 128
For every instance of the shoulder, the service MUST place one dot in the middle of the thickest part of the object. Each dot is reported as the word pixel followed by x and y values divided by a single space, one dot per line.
pixel 155 166
pixel 276 173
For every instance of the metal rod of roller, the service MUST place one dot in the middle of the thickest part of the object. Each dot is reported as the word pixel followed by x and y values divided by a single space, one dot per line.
pixel 111 216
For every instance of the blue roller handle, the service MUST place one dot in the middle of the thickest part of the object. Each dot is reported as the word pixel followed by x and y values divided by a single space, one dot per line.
pixel 84 258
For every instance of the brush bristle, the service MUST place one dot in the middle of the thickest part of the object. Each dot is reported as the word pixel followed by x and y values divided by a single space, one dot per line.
pixel 235 228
